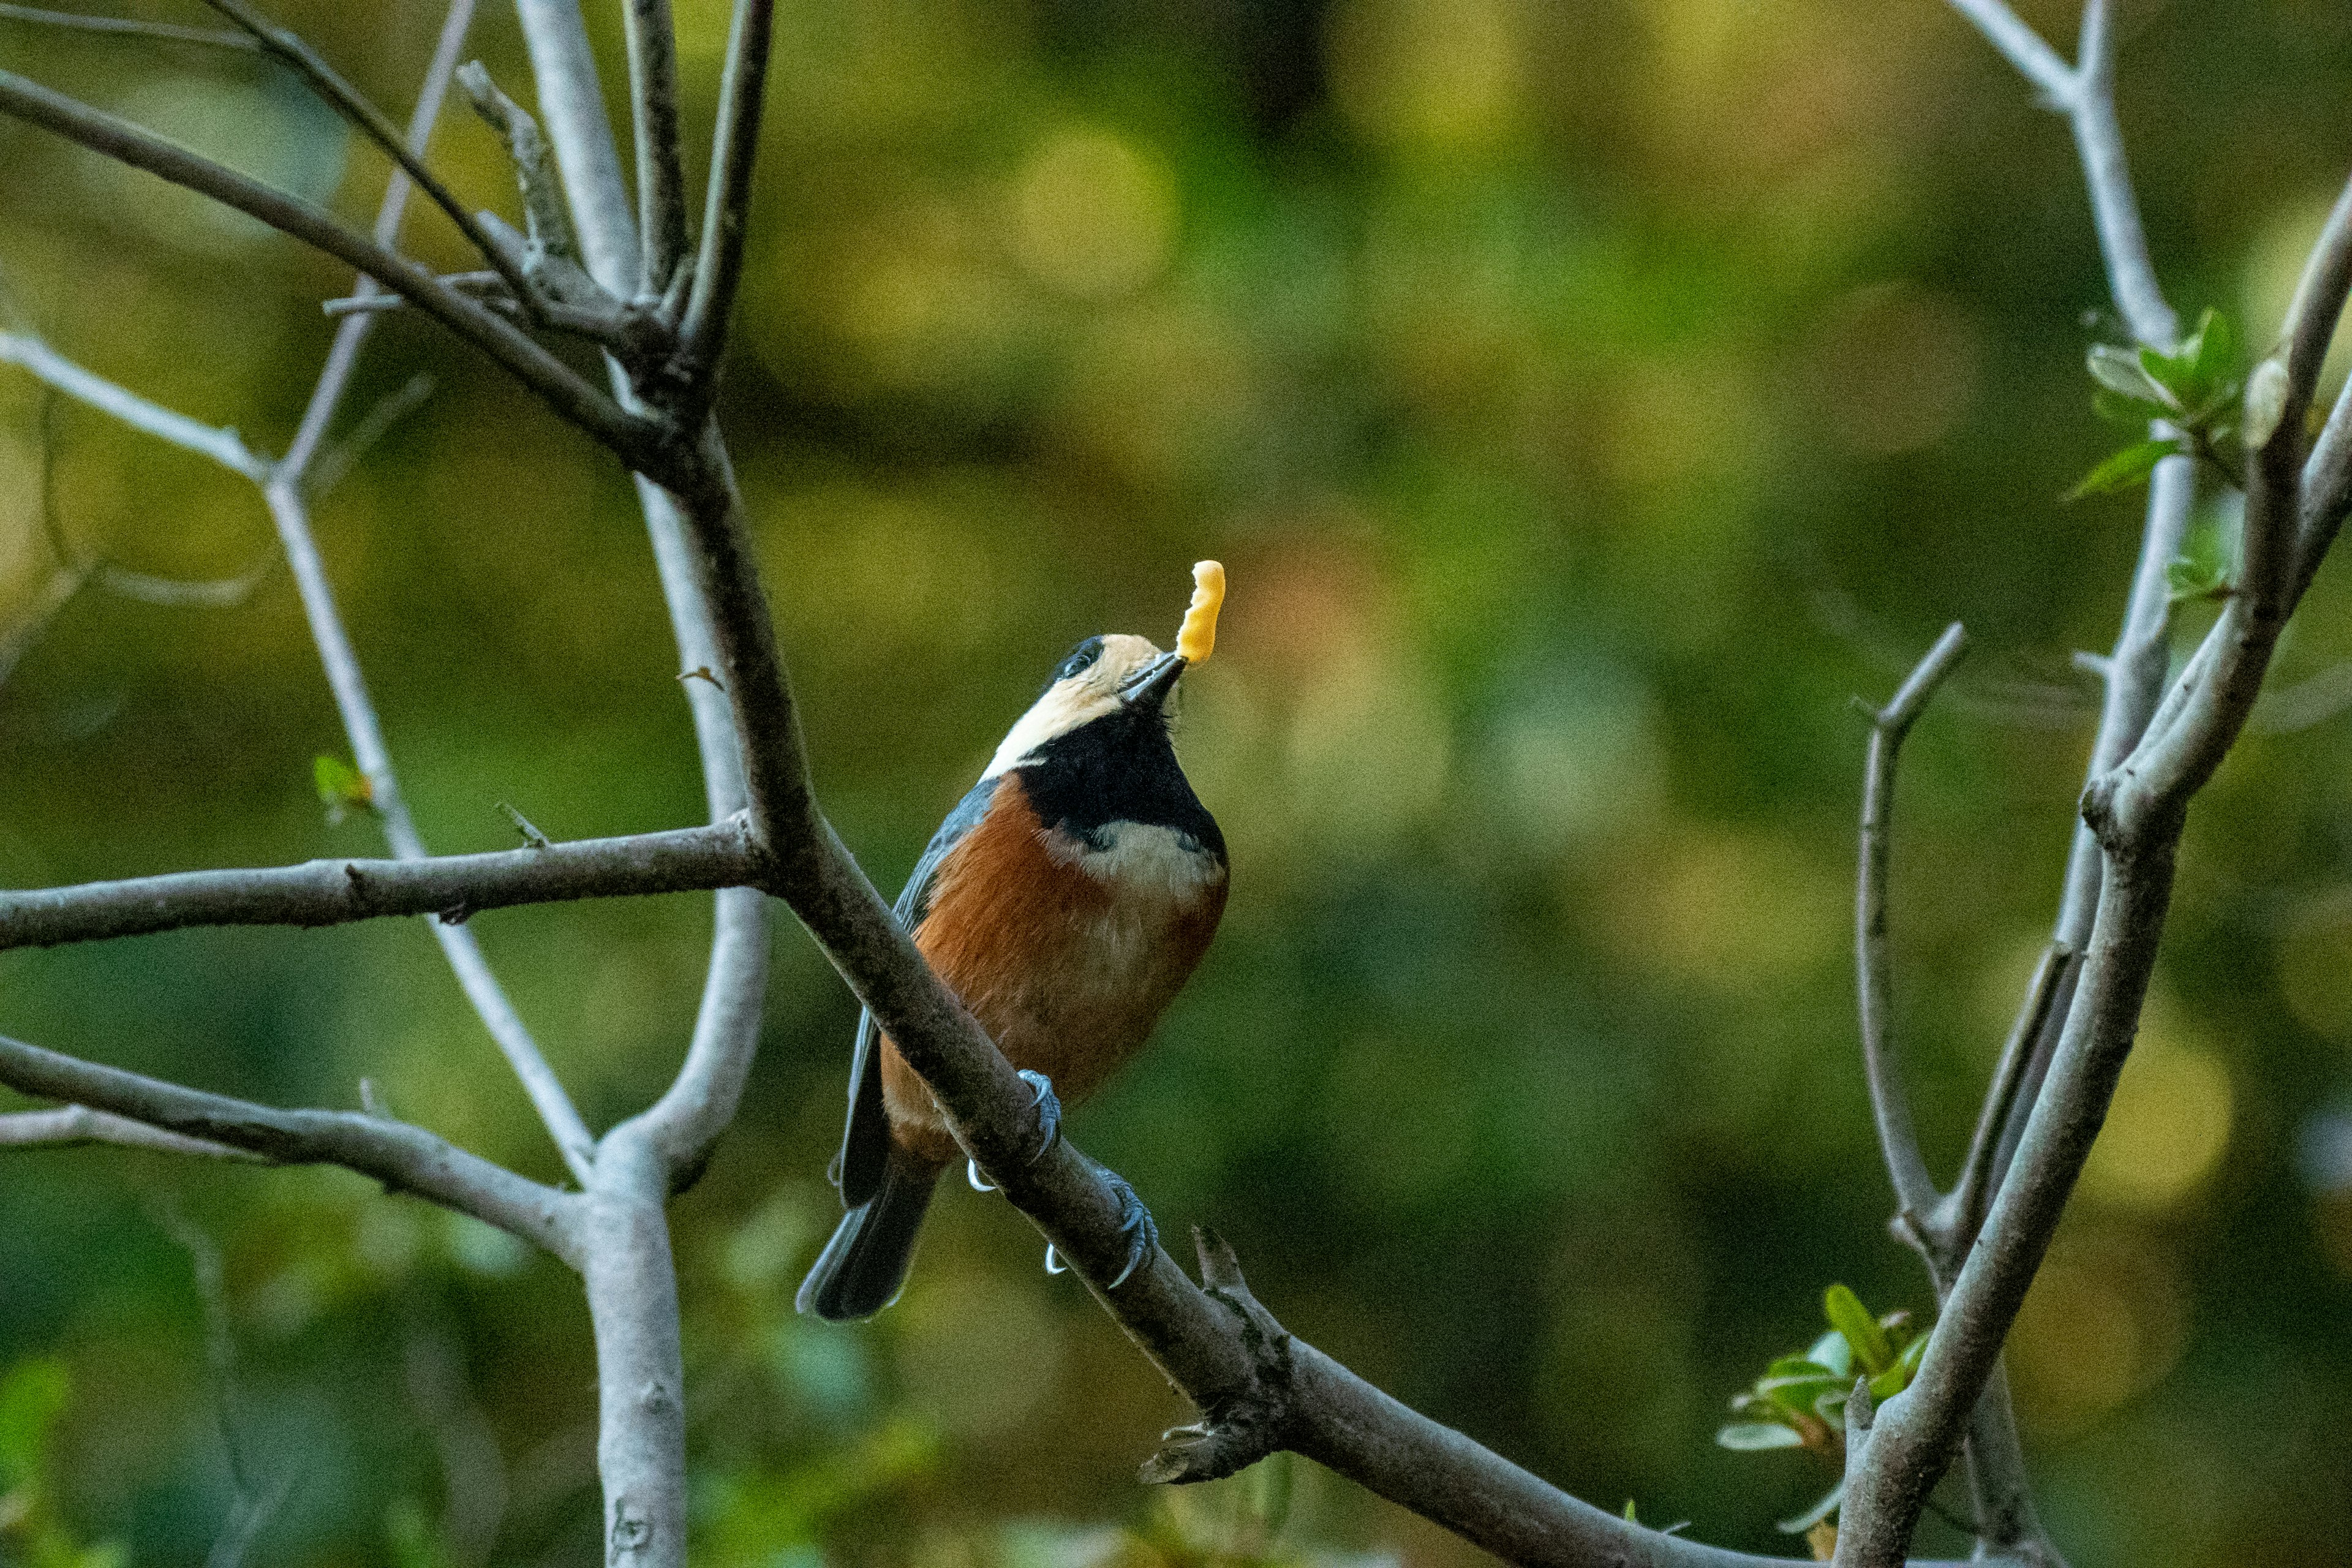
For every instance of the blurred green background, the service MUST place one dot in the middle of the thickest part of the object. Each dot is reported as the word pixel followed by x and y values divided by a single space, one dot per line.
pixel 1589 399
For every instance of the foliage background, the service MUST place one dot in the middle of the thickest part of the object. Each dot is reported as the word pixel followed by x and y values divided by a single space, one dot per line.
pixel 1588 399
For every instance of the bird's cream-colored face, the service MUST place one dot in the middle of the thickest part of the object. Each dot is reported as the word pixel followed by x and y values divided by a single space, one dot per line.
pixel 1077 699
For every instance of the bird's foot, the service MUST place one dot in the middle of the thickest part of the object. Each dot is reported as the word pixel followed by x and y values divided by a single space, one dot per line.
pixel 1135 1223
pixel 1048 1107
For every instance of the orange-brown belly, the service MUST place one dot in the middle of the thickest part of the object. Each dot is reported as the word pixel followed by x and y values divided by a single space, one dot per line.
pixel 1065 969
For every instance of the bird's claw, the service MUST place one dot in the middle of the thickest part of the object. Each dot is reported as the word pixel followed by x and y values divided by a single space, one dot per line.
pixel 1048 1107
pixel 980 1183
pixel 1135 1223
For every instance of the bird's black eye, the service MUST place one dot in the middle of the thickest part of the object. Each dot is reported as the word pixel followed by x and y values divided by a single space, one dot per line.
pixel 1081 656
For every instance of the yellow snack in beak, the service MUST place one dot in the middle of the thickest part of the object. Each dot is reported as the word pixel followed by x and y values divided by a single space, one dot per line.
pixel 1198 638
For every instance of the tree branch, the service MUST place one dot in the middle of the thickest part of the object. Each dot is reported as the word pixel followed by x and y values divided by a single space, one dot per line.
pixel 633 1290
pixel 69 1125
pixel 2138 812
pixel 743 94
pixel 170 32
pixel 640 442
pixel 2115 208
pixel 405 1157
pixel 222 446
pixel 336 892
pixel 653 112
pixel 292 50
pixel 1914 1190
pixel 2046 998
pixel 2034 60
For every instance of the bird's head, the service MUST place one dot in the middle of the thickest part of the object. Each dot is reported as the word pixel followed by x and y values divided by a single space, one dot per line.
pixel 1117 679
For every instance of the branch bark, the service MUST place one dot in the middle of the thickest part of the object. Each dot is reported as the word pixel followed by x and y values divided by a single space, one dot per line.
pixel 1914 1190
pixel 403 1158
pixel 336 892
pixel 2137 811
pixel 72 1124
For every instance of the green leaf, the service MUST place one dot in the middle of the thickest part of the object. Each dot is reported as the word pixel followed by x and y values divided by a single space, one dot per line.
pixel 2191 579
pixel 1897 1378
pixel 2129 466
pixel 1850 1317
pixel 1812 1516
pixel 2136 412
pixel 1755 1436
pixel 2213 348
pixel 1831 1353
pixel 342 787
pixel 2125 374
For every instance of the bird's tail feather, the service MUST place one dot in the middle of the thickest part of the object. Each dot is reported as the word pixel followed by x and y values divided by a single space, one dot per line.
pixel 861 1268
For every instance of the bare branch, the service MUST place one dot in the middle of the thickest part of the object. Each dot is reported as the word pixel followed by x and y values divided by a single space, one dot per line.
pixel 292 50
pixel 653 112
pixel 2114 206
pixel 2035 60
pixel 2045 999
pixel 222 446
pixel 402 1157
pixel 639 441
pixel 548 224
pixel 2137 811
pixel 335 892
pixel 69 1125
pixel 1914 1191
pixel 572 111
pixel 718 269
pixel 131 26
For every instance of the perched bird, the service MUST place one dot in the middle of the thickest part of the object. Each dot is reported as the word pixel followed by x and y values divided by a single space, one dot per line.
pixel 1065 900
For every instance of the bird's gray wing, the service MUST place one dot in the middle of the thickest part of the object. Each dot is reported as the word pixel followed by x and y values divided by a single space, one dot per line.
pixel 866 1142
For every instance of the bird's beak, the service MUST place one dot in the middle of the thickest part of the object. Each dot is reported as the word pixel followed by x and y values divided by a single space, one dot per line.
pixel 1152 683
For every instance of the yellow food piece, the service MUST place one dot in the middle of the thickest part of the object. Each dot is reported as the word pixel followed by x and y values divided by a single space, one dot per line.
pixel 1198 637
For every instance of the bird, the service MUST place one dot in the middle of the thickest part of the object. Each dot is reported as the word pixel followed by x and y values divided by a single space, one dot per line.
pixel 1065 900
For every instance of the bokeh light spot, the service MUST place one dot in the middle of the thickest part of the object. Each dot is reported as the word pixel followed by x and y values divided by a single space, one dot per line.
pixel 2169 1125
pixel 1093 215
pixel 1447 73
pixel 2103 1322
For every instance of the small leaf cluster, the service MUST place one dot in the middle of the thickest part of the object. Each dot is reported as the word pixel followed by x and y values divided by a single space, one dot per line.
pixel 342 788
pixel 2197 390
pixel 1800 1400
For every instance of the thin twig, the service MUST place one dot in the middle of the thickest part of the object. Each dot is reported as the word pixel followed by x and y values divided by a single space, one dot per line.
pixel 401 1156
pixel 290 50
pixel 2114 208
pixel 222 446
pixel 1914 1191
pixel 2034 59
pixel 170 32
pixel 2052 983
pixel 327 469
pixel 639 441
pixel 69 1125
pixel 718 269
pixel 336 892
pixel 653 112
